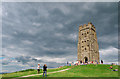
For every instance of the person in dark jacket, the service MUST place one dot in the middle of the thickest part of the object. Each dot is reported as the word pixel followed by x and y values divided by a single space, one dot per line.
pixel 101 61
pixel 67 63
pixel 45 70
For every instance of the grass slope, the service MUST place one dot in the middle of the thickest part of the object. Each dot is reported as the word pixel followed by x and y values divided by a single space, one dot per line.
pixel 29 72
pixel 100 70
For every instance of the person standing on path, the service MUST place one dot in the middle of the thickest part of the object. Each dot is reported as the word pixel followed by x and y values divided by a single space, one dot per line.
pixel 45 70
pixel 38 68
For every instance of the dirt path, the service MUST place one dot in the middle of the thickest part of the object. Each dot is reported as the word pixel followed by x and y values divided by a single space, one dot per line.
pixel 41 73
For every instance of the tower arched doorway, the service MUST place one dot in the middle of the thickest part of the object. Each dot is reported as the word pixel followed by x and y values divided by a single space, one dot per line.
pixel 85 59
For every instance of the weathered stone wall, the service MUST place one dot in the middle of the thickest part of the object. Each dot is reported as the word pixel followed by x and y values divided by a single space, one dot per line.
pixel 87 43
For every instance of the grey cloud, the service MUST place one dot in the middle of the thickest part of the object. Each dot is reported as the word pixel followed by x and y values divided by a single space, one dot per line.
pixel 26 59
pixel 109 54
pixel 6 60
pixel 5 63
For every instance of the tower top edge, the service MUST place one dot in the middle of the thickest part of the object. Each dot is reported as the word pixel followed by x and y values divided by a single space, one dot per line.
pixel 89 22
pixel 86 25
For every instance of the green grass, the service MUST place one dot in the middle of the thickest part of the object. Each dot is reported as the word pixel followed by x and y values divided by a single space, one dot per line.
pixel 87 71
pixel 20 73
pixel 100 70
pixel 29 72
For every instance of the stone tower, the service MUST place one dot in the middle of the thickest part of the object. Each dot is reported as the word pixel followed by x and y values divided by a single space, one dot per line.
pixel 87 44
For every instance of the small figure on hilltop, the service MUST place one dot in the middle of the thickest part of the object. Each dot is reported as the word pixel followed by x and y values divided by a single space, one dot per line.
pixel 92 62
pixel 80 61
pixel 38 68
pixel 101 61
pixel 67 63
pixel 45 70
pixel 115 70
pixel 83 63
pixel 96 62
pixel 111 67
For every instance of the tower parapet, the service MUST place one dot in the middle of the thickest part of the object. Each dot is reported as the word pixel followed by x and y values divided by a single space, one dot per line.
pixel 90 25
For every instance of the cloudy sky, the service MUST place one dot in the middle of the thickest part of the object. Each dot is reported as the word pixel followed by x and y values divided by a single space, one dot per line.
pixel 47 32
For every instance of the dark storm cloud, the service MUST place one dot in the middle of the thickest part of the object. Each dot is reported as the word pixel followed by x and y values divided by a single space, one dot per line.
pixel 27 59
pixel 5 63
pixel 51 29
pixel 23 59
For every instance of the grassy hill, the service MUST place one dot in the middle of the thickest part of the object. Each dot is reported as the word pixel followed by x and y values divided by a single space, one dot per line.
pixel 100 70
pixel 30 72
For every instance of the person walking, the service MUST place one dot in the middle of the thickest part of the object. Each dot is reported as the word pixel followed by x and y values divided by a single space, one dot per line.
pixel 38 68
pixel 92 62
pixel 67 63
pixel 80 61
pixel 101 61
pixel 96 61
pixel 45 70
